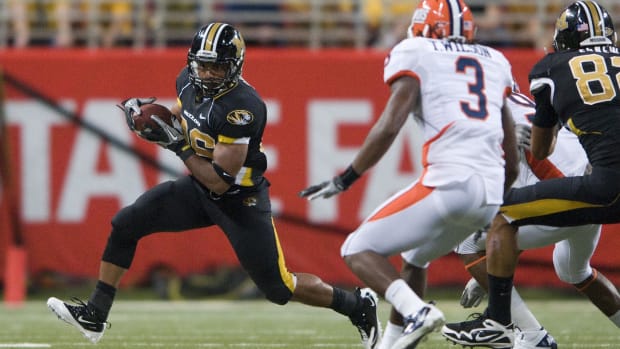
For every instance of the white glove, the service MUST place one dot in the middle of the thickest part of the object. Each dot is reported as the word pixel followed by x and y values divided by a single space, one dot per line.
pixel 173 134
pixel 524 133
pixel 132 106
pixel 325 190
pixel 473 294
pixel 332 187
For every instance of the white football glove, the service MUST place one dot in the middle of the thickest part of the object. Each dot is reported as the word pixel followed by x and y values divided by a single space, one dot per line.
pixel 132 106
pixel 473 294
pixel 173 138
pixel 332 187
pixel 325 190
pixel 173 134
pixel 524 134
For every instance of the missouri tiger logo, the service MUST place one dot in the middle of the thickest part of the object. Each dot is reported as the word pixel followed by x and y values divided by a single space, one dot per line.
pixel 561 23
pixel 250 201
pixel 240 117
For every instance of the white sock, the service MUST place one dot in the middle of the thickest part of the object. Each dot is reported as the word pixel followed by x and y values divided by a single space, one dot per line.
pixel 615 318
pixel 402 297
pixel 390 335
pixel 522 317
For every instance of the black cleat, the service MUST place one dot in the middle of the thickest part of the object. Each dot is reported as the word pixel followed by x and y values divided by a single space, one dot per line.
pixel 480 332
pixel 367 321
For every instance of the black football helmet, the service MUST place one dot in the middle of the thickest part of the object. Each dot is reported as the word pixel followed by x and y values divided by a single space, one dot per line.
pixel 582 24
pixel 217 43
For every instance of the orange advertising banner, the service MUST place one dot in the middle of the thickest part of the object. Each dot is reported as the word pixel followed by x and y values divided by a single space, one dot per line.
pixel 321 105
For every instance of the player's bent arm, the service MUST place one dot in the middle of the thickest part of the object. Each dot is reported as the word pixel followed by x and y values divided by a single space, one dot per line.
pixel 403 98
pixel 511 153
pixel 545 122
pixel 219 174
pixel 543 141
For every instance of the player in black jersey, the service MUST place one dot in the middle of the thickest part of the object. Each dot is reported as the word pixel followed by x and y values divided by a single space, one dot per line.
pixel 577 87
pixel 219 140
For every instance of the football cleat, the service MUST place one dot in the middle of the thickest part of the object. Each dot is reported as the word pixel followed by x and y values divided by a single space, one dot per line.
pixel 540 339
pixel 366 320
pixel 418 325
pixel 80 316
pixel 480 332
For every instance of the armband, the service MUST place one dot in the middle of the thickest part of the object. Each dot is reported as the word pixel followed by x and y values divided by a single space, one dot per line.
pixel 348 177
pixel 223 174
pixel 185 152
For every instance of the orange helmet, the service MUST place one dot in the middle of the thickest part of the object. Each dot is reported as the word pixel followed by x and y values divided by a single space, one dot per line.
pixel 437 19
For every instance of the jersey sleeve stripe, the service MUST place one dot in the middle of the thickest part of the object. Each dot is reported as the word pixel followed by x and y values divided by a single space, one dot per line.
pixel 401 74
pixel 230 140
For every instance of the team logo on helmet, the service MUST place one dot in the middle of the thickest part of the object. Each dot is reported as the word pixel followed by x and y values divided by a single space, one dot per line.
pixel 442 19
pixel 419 16
pixel 240 117
pixel 583 23
pixel 561 22
pixel 609 32
pixel 240 44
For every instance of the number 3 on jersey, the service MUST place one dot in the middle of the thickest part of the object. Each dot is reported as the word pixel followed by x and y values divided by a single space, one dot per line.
pixel 463 64
pixel 592 78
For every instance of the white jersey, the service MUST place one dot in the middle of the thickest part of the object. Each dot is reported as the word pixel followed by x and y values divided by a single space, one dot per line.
pixel 463 87
pixel 568 157
pixel 574 245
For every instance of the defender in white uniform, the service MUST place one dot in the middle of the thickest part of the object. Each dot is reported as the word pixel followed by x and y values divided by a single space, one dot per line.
pixel 574 246
pixel 458 91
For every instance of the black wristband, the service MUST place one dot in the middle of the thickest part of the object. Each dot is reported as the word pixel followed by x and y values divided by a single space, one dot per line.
pixel 348 177
pixel 185 152
pixel 225 176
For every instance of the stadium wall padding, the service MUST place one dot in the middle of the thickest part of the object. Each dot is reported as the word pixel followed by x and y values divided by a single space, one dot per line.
pixel 321 105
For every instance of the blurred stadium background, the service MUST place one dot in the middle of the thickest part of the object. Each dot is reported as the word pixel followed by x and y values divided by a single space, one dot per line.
pixel 283 23
pixel 69 163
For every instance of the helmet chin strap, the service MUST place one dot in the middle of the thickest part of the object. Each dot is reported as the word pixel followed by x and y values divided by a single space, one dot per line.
pixel 211 86
pixel 205 91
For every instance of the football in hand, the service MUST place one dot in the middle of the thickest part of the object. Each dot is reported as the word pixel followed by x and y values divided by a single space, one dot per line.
pixel 146 127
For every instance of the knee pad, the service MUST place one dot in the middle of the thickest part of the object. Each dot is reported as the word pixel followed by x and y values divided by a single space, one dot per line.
pixel 122 242
pixel 411 257
pixel 127 225
pixel 121 219
pixel 119 252
pixel 275 288
pixel 571 273
pixel 278 294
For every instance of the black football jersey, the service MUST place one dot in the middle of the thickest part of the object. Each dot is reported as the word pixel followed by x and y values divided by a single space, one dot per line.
pixel 235 116
pixel 581 90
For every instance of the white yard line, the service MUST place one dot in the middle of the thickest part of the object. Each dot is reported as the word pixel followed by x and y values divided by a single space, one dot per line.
pixel 25 345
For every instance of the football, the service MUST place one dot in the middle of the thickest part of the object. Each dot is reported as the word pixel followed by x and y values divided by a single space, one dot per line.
pixel 144 123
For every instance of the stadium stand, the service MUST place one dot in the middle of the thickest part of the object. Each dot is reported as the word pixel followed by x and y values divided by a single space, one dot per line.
pixel 290 23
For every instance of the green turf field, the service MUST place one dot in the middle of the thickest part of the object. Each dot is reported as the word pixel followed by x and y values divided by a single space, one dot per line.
pixel 575 323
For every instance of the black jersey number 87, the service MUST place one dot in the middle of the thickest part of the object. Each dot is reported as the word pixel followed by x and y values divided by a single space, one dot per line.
pixel 592 78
